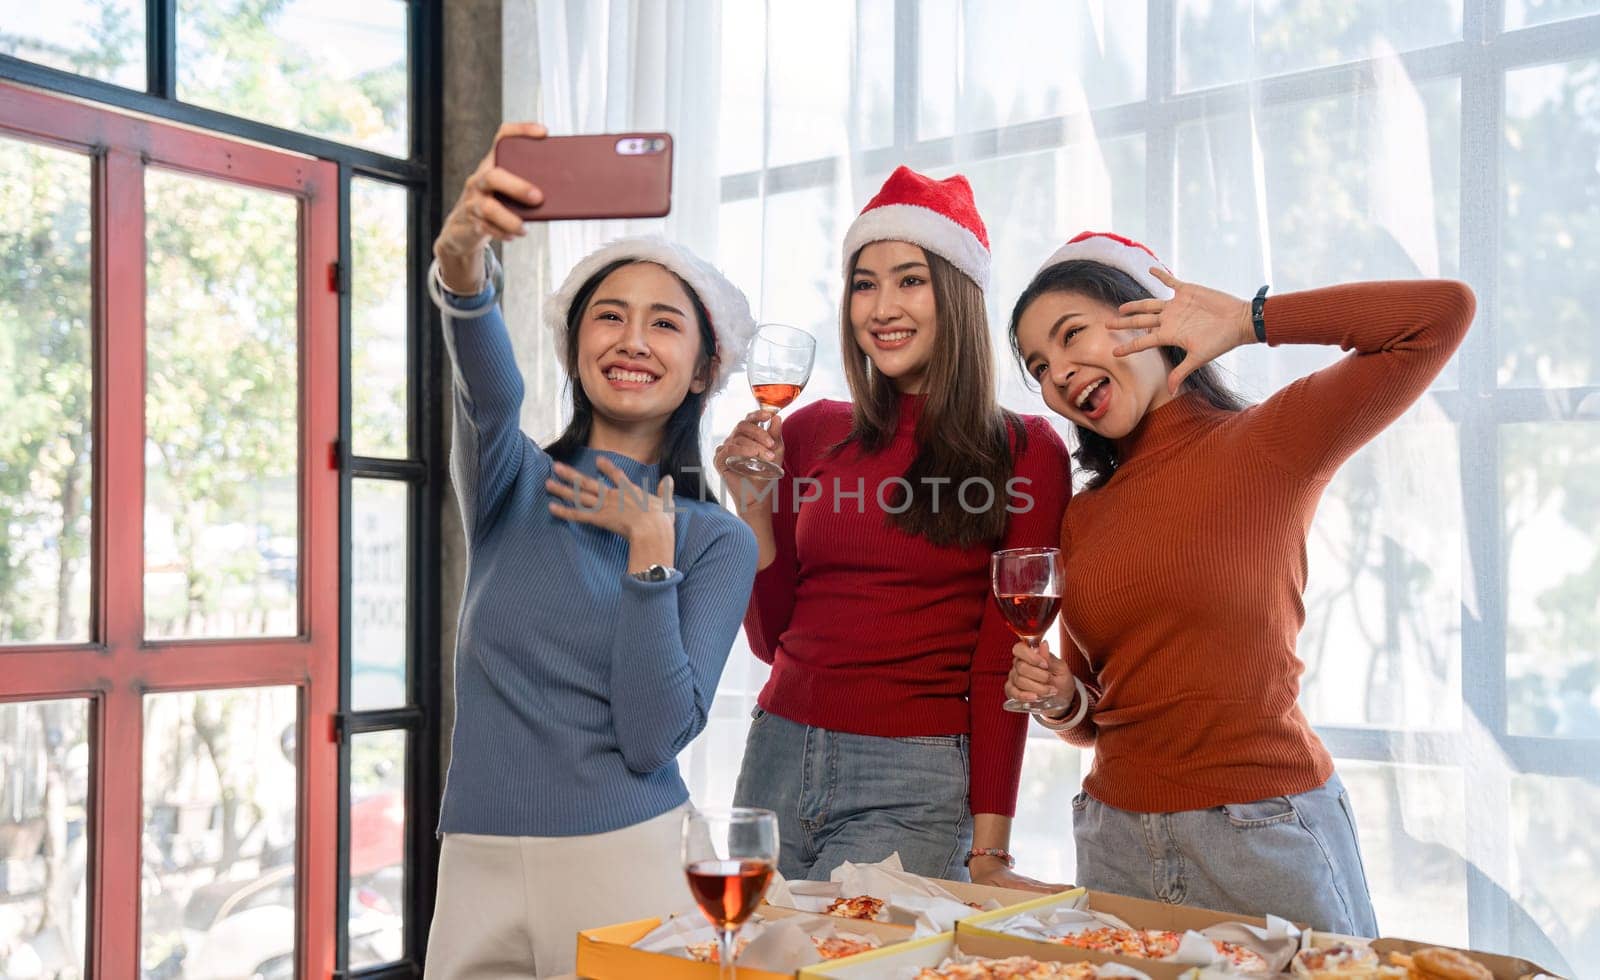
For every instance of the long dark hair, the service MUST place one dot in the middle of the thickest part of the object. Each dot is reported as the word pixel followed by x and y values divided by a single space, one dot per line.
pixel 963 432
pixel 1096 454
pixel 679 456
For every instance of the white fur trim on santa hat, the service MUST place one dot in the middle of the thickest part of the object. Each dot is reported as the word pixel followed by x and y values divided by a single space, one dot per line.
pixel 1106 250
pixel 919 226
pixel 731 321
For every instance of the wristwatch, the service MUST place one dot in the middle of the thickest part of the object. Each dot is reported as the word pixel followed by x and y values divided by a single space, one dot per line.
pixel 655 573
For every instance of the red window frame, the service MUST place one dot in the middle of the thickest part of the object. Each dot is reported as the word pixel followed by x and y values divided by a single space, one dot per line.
pixel 118 666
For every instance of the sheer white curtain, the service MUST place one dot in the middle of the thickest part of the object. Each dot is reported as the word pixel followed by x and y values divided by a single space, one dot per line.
pixel 606 67
pixel 1452 643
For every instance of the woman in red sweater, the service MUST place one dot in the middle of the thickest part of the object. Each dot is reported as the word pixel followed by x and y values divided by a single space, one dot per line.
pixel 1186 567
pixel 882 729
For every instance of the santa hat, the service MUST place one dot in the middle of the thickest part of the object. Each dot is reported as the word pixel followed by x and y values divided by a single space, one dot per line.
pixel 938 215
pixel 1123 254
pixel 731 321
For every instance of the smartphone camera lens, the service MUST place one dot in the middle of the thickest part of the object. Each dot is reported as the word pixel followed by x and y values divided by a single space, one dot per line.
pixel 632 146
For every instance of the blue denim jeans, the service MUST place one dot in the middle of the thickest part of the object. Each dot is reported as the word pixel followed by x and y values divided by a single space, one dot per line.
pixel 1291 856
pixel 842 797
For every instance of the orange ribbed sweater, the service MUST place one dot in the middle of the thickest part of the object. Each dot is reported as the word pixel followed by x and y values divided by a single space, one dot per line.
pixel 1186 570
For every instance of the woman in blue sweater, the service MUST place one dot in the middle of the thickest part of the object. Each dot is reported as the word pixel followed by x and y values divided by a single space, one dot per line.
pixel 603 590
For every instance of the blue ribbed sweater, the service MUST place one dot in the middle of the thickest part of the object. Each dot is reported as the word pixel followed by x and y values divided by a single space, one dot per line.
pixel 576 685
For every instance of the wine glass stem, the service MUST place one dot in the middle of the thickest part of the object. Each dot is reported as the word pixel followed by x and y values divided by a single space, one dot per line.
pixel 725 937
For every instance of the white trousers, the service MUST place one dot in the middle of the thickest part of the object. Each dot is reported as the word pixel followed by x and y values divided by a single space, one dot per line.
pixel 511 907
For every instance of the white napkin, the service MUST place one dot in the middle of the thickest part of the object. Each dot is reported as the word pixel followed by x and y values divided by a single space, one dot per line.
pixel 777 945
pixel 909 899
pixel 1277 943
pixel 957 957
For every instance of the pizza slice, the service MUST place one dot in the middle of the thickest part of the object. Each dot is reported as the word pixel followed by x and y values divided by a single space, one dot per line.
pixel 856 907
pixel 838 947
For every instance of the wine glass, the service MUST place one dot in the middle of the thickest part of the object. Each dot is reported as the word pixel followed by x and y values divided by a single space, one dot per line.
pixel 1027 585
pixel 780 366
pixel 729 854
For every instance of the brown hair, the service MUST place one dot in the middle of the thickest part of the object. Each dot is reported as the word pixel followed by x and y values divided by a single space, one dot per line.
pixel 963 432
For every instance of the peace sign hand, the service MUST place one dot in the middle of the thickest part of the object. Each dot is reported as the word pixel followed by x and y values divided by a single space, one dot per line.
pixel 1205 322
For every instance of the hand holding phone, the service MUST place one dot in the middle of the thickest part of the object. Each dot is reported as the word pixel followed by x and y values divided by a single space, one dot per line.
pixel 615 175
pixel 478 217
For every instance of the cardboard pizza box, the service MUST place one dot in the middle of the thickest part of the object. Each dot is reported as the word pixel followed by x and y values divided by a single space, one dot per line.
pixel 607 953
pixel 918 953
pixel 966 891
pixel 1139 913
pixel 1503 967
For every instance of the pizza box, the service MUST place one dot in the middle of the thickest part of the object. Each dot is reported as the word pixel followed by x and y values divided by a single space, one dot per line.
pixel 607 953
pixel 1503 967
pixel 1139 913
pixel 918 953
pixel 966 891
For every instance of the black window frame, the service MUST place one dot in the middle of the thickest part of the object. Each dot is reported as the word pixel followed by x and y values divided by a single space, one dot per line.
pixel 422 471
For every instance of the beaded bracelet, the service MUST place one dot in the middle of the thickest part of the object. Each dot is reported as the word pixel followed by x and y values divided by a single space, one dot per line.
pixel 997 852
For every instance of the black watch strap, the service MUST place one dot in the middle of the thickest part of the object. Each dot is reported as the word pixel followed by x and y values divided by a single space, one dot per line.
pixel 1258 310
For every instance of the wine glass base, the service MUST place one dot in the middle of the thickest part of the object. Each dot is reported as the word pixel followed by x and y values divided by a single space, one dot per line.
pixel 754 466
pixel 1039 706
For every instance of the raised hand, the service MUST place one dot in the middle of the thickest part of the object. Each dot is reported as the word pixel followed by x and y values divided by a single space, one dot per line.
pixel 477 217
pixel 622 507
pixel 748 438
pixel 1205 322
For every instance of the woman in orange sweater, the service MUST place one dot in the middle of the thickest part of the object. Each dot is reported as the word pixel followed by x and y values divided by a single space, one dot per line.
pixel 1186 563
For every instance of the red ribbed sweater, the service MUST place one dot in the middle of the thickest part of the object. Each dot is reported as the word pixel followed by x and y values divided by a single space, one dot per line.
pixel 1185 572
pixel 877 632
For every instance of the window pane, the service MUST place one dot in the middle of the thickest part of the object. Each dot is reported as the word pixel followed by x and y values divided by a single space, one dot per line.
pixel 221 449
pixel 1525 13
pixel 743 79
pixel 1411 820
pixel 1052 774
pixel 1550 491
pixel 220 812
pixel 1556 863
pixel 378 625
pixel 809 73
pixel 1549 268
pixel 1043 58
pixel 1356 187
pixel 376 926
pixel 1304 194
pixel 801 277
pixel 44 845
pixel 1382 638
pixel 711 762
pixel 1222 41
pixel 46 394
pixel 379 368
pixel 334 70
pixel 101 39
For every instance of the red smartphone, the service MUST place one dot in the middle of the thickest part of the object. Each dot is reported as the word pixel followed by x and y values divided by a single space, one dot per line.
pixel 614 175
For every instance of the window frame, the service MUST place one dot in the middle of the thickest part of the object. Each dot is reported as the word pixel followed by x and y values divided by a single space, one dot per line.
pixel 323 936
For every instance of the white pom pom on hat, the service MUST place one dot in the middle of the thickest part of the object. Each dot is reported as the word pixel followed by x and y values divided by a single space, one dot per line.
pixel 731 321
